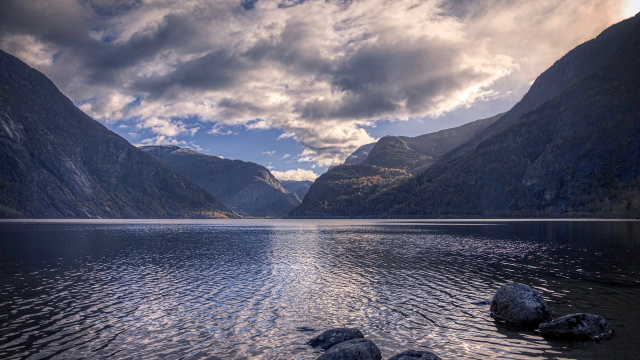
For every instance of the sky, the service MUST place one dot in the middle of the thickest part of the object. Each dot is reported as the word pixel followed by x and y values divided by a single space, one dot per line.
pixel 295 85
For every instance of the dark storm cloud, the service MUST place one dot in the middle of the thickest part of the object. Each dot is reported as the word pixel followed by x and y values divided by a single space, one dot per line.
pixel 317 70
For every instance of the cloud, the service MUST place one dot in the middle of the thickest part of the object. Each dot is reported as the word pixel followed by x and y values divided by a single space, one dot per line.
pixel 270 153
pixel 297 175
pixel 166 127
pixel 319 71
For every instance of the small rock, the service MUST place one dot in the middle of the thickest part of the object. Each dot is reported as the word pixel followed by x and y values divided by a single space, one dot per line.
pixel 519 305
pixel 415 355
pixel 577 327
pixel 332 337
pixel 356 349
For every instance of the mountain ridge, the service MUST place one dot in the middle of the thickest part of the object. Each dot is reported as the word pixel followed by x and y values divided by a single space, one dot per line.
pixel 57 162
pixel 245 187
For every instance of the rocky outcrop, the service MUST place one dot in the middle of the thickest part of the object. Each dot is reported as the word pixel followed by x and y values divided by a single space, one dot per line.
pixel 332 337
pixel 578 326
pixel 519 305
pixel 356 349
pixel 415 355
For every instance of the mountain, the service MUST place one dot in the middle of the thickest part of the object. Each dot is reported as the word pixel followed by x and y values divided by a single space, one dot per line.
pixel 393 153
pixel 383 164
pixel 300 188
pixel 344 189
pixel 576 154
pixel 359 155
pixel 438 143
pixel 245 187
pixel 572 67
pixel 571 147
pixel 57 162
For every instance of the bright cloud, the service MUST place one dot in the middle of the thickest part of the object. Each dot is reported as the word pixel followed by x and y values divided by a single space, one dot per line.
pixel 297 175
pixel 319 71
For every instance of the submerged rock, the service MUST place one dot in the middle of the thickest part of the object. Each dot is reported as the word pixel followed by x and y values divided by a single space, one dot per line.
pixel 332 337
pixel 415 355
pixel 356 349
pixel 519 305
pixel 577 327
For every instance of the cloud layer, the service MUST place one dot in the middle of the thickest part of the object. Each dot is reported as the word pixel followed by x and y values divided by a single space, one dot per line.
pixel 320 71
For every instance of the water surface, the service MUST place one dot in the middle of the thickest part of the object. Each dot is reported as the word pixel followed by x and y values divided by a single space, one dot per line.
pixel 238 289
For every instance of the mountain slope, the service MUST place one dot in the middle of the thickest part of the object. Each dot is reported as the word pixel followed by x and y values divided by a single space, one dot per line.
pixel 300 188
pixel 387 163
pixel 359 155
pixel 572 67
pixel 345 189
pixel 245 187
pixel 439 142
pixel 393 153
pixel 578 152
pixel 56 162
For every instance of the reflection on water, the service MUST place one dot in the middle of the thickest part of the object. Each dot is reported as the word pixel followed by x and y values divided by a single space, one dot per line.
pixel 245 288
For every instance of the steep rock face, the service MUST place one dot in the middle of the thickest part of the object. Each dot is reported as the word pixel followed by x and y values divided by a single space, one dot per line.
pixel 300 188
pixel 56 162
pixel 245 187
pixel 360 155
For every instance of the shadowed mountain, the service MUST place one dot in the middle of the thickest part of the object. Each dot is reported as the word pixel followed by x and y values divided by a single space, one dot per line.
pixel 300 188
pixel 245 187
pixel 57 162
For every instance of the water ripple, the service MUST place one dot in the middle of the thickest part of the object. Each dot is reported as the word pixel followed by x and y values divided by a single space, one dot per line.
pixel 260 289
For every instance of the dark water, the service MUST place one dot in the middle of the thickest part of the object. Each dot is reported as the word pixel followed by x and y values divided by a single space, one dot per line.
pixel 247 288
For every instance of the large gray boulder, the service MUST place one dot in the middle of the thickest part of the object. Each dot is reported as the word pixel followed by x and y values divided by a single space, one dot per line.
pixel 332 337
pixel 415 355
pixel 356 349
pixel 519 305
pixel 577 327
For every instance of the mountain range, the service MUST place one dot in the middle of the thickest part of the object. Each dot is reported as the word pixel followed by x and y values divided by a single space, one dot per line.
pixel 245 187
pixel 570 147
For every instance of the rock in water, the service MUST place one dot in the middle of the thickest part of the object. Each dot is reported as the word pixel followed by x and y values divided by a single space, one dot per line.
pixel 356 349
pixel 577 327
pixel 332 337
pixel 415 355
pixel 519 305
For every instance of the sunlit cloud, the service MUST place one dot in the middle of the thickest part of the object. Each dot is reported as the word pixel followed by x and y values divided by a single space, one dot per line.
pixel 297 175
pixel 321 72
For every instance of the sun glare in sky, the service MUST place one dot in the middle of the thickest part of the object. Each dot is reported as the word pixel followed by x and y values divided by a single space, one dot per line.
pixel 632 8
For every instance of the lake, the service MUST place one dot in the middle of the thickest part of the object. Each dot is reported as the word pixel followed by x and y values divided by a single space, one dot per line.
pixel 238 289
